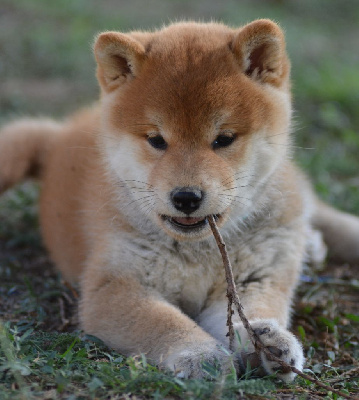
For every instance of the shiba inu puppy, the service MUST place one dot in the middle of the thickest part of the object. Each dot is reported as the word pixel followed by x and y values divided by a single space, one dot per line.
pixel 194 120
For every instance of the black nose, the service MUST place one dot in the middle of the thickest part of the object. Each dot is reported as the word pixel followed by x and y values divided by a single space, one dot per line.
pixel 187 199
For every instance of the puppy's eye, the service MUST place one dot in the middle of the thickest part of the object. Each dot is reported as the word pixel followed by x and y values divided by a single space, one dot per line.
pixel 157 142
pixel 222 141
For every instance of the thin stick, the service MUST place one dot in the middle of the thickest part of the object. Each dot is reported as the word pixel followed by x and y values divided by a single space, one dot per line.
pixel 64 320
pixel 233 298
pixel 72 289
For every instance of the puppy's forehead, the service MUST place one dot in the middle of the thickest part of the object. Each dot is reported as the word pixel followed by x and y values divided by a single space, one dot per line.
pixel 191 79
pixel 191 75
pixel 188 52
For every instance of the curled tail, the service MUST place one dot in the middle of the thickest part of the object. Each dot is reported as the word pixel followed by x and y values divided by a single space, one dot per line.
pixel 340 232
pixel 24 146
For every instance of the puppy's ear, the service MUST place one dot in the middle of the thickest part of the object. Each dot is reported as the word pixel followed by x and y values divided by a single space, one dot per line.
pixel 119 59
pixel 260 50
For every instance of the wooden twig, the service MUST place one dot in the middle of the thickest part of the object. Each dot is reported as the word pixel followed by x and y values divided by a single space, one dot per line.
pixel 64 320
pixel 71 288
pixel 233 298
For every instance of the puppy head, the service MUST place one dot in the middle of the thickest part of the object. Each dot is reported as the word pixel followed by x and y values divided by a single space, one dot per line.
pixel 195 119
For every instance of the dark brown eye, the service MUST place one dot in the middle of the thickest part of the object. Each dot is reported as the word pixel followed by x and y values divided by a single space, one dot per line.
pixel 222 141
pixel 157 142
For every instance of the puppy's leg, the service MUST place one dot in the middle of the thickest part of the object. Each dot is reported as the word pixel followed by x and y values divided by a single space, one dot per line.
pixel 134 319
pixel 266 295
pixel 340 231
pixel 267 324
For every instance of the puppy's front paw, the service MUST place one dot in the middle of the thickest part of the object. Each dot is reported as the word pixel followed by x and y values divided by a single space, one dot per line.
pixel 280 342
pixel 189 361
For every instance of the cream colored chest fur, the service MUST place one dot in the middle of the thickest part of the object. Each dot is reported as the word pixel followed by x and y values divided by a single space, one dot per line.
pixel 189 275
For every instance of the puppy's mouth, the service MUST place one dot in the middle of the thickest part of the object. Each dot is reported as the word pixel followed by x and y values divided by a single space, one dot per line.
pixel 187 224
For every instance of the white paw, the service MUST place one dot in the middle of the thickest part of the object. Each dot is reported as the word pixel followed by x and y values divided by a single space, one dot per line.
pixel 316 250
pixel 190 361
pixel 279 341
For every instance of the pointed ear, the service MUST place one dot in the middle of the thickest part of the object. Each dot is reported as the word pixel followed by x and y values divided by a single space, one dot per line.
pixel 260 50
pixel 119 59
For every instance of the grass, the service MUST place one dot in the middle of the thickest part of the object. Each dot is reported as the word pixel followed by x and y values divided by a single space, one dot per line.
pixel 75 366
pixel 47 68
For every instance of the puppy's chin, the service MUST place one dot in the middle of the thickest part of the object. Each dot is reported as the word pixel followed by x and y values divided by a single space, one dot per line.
pixel 189 228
